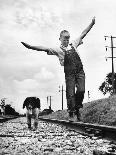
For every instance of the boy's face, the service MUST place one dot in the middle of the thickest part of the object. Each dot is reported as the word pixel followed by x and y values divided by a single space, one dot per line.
pixel 65 39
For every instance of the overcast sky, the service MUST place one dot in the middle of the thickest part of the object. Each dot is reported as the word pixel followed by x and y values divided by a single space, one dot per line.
pixel 25 72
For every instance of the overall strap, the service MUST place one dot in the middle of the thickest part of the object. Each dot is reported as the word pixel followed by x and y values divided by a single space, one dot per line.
pixel 72 62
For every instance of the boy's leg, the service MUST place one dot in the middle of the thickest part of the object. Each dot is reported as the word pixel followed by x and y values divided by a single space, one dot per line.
pixel 28 119
pixel 35 112
pixel 70 94
pixel 79 96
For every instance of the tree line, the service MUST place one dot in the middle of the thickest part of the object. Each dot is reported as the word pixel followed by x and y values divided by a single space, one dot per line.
pixel 106 86
pixel 9 110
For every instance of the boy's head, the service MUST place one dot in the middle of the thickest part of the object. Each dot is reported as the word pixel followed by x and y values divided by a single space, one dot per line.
pixel 64 38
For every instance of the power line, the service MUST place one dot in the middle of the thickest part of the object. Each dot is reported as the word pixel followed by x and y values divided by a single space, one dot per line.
pixel 112 57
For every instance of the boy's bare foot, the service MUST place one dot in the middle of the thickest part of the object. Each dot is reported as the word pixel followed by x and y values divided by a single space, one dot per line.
pixel 71 116
pixel 78 115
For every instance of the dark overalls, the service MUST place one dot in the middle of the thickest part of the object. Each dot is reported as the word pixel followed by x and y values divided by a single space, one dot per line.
pixel 75 77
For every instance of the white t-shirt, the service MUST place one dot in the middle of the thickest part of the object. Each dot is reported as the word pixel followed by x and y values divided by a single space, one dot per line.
pixel 60 53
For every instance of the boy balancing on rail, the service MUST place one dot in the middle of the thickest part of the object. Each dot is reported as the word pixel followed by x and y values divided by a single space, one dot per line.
pixel 73 68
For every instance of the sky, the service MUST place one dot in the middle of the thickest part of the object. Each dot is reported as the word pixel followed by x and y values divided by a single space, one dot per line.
pixel 26 72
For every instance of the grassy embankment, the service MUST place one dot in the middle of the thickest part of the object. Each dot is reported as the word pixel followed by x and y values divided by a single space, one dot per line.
pixel 102 111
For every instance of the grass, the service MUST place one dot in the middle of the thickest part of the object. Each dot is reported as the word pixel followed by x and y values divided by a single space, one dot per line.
pixel 102 111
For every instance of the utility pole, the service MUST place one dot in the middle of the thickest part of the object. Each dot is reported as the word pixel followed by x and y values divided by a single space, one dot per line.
pixel 62 94
pixel 50 101
pixel 47 100
pixel 112 57
pixel 88 96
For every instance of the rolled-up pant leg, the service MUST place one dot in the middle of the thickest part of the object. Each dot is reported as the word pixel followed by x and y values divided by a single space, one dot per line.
pixel 79 96
pixel 70 92
pixel 28 116
pixel 35 113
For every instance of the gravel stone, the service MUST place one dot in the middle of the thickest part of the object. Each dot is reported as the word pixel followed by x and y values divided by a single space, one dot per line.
pixel 49 139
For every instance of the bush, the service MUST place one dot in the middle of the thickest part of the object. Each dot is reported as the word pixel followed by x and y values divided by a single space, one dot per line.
pixel 45 112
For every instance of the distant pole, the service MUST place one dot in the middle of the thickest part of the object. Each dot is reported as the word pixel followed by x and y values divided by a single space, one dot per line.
pixel 88 96
pixel 112 57
pixel 50 101
pixel 62 97
pixel 62 94
pixel 47 100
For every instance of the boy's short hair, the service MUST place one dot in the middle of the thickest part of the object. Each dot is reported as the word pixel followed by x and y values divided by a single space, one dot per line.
pixel 65 33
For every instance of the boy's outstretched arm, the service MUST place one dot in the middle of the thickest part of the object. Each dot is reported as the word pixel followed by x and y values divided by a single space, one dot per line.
pixel 37 48
pixel 79 41
pixel 83 34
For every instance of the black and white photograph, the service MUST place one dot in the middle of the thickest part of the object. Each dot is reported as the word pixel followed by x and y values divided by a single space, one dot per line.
pixel 57 77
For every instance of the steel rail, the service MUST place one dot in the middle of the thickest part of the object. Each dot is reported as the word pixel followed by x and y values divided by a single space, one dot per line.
pixel 87 129
pixel 91 130
pixel 4 119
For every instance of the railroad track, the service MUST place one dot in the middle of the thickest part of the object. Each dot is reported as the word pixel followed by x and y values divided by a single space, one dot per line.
pixel 5 118
pixel 92 130
pixel 55 136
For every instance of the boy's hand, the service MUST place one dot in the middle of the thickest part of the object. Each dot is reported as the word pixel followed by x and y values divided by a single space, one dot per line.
pixel 93 20
pixel 26 45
